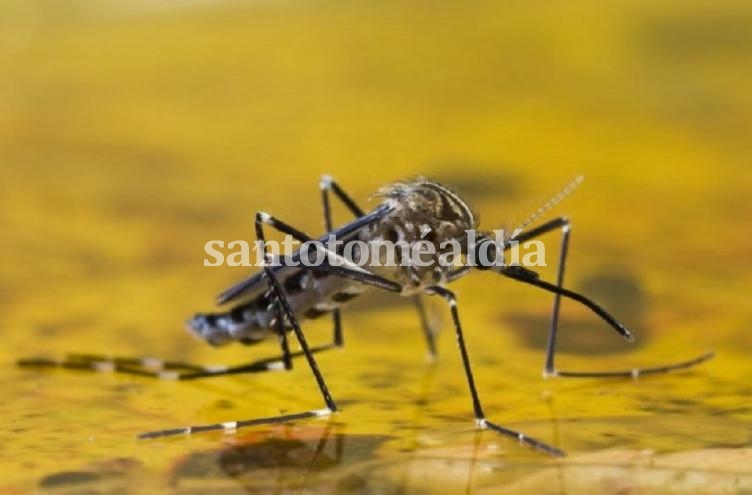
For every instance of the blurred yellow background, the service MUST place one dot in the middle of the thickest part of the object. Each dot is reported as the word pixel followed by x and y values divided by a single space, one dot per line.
pixel 133 132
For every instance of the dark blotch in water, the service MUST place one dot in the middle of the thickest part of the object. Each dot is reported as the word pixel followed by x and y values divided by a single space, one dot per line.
pixel 585 333
pixel 283 462
pixel 621 293
pixel 68 478
pixel 224 404
pixel 709 33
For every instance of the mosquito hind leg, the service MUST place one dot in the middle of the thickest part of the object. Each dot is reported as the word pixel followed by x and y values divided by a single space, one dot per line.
pixel 288 315
pixel 231 426
pixel 174 370
pixel 157 368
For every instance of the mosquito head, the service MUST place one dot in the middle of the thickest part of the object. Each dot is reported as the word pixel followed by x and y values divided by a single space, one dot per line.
pixel 485 254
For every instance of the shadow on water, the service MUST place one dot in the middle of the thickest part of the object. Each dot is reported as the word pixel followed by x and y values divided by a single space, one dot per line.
pixel 582 334
pixel 285 460
pixel 313 459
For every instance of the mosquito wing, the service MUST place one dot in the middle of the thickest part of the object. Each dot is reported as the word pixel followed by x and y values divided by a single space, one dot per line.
pixel 256 283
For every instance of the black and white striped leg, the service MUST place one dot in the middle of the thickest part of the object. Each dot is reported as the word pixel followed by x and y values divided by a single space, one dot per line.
pixel 232 426
pixel 289 315
pixel 480 417
pixel 328 185
pixel 356 274
pixel 279 325
pixel 157 368
pixel 549 368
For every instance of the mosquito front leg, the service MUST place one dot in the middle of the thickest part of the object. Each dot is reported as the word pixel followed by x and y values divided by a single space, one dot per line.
pixel 563 224
pixel 480 417
pixel 549 369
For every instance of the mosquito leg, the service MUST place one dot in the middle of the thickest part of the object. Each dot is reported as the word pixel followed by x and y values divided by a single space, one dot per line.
pixel 351 272
pixel 480 417
pixel 428 331
pixel 289 315
pixel 327 185
pixel 144 366
pixel 638 372
pixel 549 368
pixel 357 274
pixel 172 370
pixel 231 426
pixel 156 368
pixel 527 276
pixel 282 333
pixel 338 338
pixel 307 352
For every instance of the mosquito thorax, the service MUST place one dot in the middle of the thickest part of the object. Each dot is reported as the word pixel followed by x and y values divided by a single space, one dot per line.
pixel 423 201
pixel 421 210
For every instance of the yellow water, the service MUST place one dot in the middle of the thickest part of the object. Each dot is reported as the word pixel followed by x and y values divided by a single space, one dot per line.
pixel 132 133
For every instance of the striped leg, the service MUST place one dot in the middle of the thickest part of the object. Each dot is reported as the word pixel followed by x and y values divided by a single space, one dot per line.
pixel 158 368
pixel 550 369
pixel 327 185
pixel 172 370
pixel 231 426
pixel 289 315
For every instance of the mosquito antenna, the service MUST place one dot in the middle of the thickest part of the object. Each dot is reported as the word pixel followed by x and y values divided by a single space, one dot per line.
pixel 549 204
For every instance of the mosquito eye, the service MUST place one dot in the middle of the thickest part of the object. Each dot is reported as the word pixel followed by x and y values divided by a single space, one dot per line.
pixel 485 255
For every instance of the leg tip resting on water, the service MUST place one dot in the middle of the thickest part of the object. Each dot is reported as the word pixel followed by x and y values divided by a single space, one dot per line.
pixel 484 424
pixel 230 427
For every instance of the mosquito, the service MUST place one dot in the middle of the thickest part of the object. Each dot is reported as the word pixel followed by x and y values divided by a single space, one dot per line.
pixel 275 300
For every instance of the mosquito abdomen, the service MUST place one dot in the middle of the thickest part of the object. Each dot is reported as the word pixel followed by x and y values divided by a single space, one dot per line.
pixel 311 294
pixel 233 326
